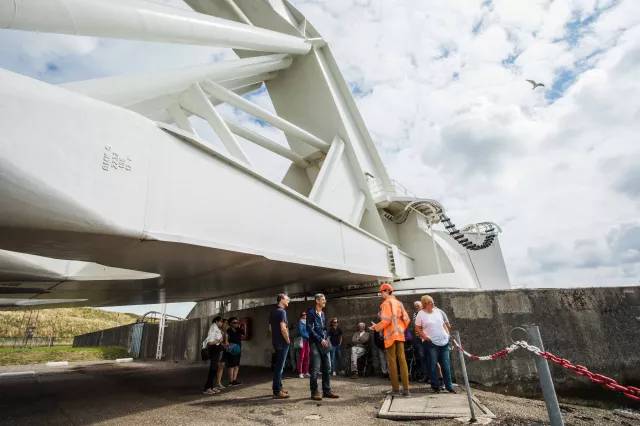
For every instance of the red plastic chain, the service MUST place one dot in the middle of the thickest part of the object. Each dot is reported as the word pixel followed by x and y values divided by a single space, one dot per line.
pixel 628 391
pixel 608 382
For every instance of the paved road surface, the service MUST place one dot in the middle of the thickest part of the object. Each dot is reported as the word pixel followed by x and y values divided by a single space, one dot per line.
pixel 169 394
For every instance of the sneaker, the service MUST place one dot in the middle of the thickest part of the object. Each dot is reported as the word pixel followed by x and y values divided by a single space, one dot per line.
pixel 219 386
pixel 316 397
pixel 210 391
pixel 392 392
pixel 452 390
pixel 301 376
pixel 307 375
pixel 422 380
pixel 236 383
pixel 280 395
pixel 435 390
pixel 406 393
pixel 334 374
pixel 331 395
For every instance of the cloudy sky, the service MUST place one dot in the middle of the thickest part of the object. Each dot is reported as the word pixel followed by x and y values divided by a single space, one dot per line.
pixel 441 86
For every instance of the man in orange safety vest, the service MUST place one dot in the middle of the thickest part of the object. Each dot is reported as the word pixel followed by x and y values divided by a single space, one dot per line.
pixel 394 321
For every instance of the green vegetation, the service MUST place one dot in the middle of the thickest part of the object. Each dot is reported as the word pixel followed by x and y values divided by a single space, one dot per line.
pixel 10 356
pixel 63 323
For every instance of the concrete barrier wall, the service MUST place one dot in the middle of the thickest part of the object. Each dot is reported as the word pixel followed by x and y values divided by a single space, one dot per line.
pixel 595 327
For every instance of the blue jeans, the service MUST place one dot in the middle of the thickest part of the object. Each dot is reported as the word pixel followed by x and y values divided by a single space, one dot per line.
pixel 423 354
pixel 281 356
pixel 318 360
pixel 336 353
pixel 439 355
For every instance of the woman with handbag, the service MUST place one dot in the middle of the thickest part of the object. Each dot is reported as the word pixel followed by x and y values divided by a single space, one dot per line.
pixel 212 343
pixel 302 343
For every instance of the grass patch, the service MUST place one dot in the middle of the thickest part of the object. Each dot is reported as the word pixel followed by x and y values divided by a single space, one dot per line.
pixel 10 356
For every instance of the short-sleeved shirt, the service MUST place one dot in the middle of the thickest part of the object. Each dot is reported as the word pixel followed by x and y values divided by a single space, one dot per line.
pixel 276 317
pixel 433 326
pixel 235 336
pixel 334 336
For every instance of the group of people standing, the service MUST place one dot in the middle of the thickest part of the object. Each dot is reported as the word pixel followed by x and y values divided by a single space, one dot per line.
pixel 319 352
pixel 223 345
pixel 320 345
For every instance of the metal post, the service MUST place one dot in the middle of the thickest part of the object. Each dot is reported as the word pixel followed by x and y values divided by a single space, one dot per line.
pixel 546 383
pixel 456 336
pixel 161 332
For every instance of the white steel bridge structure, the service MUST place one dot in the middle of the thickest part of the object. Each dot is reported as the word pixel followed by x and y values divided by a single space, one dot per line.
pixel 108 195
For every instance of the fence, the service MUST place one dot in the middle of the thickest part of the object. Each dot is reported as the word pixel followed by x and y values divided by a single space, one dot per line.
pixel 34 342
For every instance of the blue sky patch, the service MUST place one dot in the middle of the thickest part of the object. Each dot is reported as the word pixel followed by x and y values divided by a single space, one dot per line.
pixel 579 24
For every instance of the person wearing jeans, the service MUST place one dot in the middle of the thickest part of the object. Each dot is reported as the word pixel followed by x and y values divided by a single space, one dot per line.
pixel 335 337
pixel 280 340
pixel 316 327
pixel 418 348
pixel 303 360
pixel 433 328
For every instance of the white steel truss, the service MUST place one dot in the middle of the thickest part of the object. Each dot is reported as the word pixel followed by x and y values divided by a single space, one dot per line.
pixel 336 207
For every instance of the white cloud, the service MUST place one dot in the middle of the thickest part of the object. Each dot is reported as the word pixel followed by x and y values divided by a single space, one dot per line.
pixel 454 119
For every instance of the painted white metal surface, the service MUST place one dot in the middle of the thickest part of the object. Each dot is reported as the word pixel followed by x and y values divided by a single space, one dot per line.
pixel 142 20
pixel 144 211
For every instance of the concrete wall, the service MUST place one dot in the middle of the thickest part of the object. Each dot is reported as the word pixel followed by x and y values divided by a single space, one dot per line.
pixel 594 327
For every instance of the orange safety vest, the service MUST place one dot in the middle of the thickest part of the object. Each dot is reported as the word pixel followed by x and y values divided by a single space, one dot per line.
pixel 394 322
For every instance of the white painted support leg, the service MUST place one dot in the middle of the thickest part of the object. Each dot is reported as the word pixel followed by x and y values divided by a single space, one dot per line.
pixel 329 165
pixel 181 119
pixel 272 146
pixel 196 101
pixel 238 12
pixel 435 248
pixel 358 210
pixel 225 95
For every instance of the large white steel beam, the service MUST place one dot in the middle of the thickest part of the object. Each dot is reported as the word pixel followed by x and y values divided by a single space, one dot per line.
pixel 266 143
pixel 180 118
pixel 128 90
pixel 196 101
pixel 158 110
pixel 326 171
pixel 142 20
pixel 243 104
pixel 358 210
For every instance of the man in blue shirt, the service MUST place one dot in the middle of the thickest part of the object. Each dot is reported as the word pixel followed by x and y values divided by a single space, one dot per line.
pixel 320 354
pixel 280 340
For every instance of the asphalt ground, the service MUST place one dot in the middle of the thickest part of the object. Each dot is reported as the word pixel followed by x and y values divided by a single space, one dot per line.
pixel 163 393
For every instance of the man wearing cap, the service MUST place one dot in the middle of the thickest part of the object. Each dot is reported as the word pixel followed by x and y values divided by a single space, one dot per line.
pixel 394 321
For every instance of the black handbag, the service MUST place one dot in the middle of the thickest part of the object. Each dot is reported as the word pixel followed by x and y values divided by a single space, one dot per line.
pixel 204 353
pixel 322 349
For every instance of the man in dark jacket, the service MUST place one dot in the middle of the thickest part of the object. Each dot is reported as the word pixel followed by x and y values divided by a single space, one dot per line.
pixel 320 352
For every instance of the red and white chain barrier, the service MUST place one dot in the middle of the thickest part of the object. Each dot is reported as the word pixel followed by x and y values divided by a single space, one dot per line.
pixel 609 383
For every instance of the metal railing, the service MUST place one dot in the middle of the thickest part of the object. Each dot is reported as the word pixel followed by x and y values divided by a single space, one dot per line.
pixel 378 188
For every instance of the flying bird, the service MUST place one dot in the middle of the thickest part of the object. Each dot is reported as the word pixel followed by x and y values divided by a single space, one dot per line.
pixel 535 84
